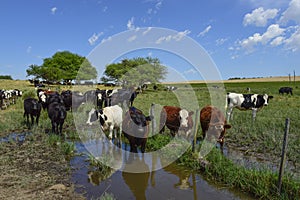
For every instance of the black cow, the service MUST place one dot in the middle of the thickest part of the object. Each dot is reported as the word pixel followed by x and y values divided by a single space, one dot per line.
pixel 33 108
pixel 135 128
pixel 57 114
pixel 287 90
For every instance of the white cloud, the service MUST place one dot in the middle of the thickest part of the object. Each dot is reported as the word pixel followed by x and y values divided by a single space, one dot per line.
pixel 53 10
pixel 190 71
pixel 130 24
pixel 147 31
pixel 277 41
pixel 293 43
pixel 92 40
pixel 221 41
pixel 206 30
pixel 179 36
pixel 273 31
pixel 259 16
pixel 106 39
pixel 292 13
pixel 132 38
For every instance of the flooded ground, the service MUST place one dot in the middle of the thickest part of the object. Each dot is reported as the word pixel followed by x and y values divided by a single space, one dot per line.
pixel 171 182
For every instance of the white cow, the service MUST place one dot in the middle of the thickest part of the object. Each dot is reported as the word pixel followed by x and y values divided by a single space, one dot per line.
pixel 110 118
pixel 254 102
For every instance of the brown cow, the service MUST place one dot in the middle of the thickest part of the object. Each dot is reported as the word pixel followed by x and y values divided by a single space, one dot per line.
pixel 135 128
pixel 176 119
pixel 213 124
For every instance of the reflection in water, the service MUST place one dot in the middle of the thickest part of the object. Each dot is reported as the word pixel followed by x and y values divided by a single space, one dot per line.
pixel 137 182
pixel 171 182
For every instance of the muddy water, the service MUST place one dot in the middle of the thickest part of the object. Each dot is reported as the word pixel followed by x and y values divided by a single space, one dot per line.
pixel 171 182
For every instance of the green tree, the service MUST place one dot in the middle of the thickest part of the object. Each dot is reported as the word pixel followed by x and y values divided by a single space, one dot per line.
pixel 64 66
pixel 135 71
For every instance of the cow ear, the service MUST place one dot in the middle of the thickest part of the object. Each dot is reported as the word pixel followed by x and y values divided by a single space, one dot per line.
pixel 149 118
pixel 227 126
pixel 191 113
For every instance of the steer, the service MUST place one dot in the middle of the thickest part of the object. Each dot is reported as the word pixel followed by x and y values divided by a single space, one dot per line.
pixel 33 108
pixel 287 90
pixel 213 124
pixel 135 128
pixel 57 114
pixel 254 102
pixel 110 118
pixel 176 119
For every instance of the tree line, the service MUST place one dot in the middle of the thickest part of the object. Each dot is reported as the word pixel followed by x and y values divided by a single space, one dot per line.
pixel 66 66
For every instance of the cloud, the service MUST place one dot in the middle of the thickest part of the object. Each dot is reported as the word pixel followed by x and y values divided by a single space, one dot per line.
pixel 147 31
pixel 130 24
pixel 177 37
pixel 292 13
pixel 132 38
pixel 206 30
pixel 259 17
pixel 190 71
pixel 272 32
pixel 293 42
pixel 92 40
pixel 53 10
pixel 221 41
pixel 106 39
pixel 277 41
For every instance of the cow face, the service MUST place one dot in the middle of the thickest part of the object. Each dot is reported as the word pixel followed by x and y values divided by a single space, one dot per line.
pixel 42 97
pixel 137 123
pixel 266 99
pixel 103 118
pixel 216 131
pixel 185 118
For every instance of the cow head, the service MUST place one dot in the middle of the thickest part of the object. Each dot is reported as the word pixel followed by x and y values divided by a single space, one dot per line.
pixel 136 123
pixel 42 97
pixel 266 99
pixel 217 131
pixel 103 118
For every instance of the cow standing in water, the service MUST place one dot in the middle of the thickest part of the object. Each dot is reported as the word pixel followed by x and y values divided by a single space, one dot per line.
pixel 135 128
pixel 213 124
pixel 254 102
pixel 176 119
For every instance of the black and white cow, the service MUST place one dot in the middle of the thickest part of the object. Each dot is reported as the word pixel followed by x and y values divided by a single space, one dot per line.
pixel 254 102
pixel 287 90
pixel 110 119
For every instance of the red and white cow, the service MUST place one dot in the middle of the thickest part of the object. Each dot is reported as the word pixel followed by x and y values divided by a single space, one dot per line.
pixel 254 102
pixel 176 119
pixel 213 124
pixel 110 119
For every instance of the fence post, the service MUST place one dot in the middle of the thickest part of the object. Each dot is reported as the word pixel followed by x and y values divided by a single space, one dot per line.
pixel 283 153
pixel 152 113
pixel 195 130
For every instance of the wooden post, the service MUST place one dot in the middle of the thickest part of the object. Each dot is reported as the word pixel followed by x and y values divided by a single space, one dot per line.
pixel 152 113
pixel 283 154
pixel 195 129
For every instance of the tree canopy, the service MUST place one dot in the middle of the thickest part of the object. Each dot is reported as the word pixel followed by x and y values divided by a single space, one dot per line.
pixel 135 71
pixel 63 66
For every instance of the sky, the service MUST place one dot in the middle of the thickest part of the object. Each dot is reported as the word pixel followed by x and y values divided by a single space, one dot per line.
pixel 242 38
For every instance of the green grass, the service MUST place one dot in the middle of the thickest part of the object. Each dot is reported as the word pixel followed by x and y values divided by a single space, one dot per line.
pixel 262 137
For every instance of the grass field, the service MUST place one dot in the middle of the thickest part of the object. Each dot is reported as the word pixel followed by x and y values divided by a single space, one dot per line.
pixel 261 139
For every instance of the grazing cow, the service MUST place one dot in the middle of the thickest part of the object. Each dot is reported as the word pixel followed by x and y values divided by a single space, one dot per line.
pixel 33 108
pixel 135 128
pixel 57 114
pixel 125 97
pixel 213 124
pixel 254 102
pixel 110 118
pixel 287 90
pixel 171 88
pixel 176 119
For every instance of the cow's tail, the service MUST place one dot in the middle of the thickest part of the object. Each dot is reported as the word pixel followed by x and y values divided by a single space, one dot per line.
pixel 226 101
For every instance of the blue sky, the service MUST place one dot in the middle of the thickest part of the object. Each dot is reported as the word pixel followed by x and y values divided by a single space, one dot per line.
pixel 243 38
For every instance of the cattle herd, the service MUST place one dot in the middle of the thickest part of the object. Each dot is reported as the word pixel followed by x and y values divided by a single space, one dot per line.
pixel 114 111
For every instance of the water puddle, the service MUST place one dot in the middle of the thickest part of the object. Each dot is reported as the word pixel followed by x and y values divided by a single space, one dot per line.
pixel 15 137
pixel 171 182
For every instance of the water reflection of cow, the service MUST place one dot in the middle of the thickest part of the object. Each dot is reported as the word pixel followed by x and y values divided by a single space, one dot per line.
pixel 137 182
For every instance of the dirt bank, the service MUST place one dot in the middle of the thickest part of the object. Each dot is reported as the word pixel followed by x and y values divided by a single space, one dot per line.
pixel 34 170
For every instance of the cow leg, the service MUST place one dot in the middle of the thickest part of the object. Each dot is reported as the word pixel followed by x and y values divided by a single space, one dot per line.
pixel 143 145
pixel 111 129
pixel 32 120
pixel 60 128
pixel 37 119
pixel 53 127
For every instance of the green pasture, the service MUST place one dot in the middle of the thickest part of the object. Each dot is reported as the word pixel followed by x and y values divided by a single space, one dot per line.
pixel 262 138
